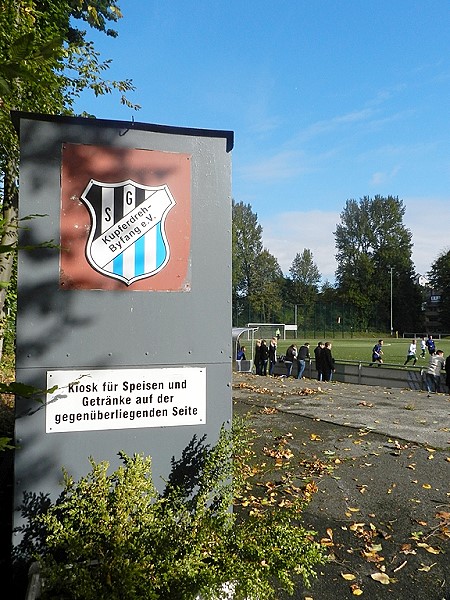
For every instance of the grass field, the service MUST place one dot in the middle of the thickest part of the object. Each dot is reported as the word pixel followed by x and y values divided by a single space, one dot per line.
pixel 395 350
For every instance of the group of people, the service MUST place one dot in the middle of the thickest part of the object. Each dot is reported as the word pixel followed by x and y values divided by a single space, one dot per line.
pixel 265 359
pixel 265 356
pixel 436 363
pixel 323 359
pixel 427 344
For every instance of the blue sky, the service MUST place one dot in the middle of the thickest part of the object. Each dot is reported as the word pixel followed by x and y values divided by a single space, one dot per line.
pixel 328 100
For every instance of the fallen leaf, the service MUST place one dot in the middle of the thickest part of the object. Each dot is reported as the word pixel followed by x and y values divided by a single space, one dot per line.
pixel 428 548
pixel 381 578
pixel 356 590
pixel 348 576
pixel 426 568
pixel 373 557
pixel 426 486
pixel 444 515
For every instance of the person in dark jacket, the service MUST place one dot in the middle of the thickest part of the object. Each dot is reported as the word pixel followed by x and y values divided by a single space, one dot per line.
pixel 291 355
pixel 317 357
pixel 327 361
pixel 257 357
pixel 302 357
pixel 264 357
pixel 272 354
pixel 430 345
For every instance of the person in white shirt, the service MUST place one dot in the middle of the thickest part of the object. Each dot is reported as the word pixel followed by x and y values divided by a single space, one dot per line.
pixel 411 353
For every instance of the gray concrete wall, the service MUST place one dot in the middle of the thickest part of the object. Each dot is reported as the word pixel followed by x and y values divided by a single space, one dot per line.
pixel 412 378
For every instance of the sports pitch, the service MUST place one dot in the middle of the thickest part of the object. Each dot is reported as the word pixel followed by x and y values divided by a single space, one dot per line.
pixel 360 349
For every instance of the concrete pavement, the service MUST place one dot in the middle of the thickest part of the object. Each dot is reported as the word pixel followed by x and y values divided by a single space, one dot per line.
pixel 401 413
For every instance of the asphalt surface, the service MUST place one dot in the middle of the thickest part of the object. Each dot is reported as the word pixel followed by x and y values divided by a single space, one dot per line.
pixel 380 458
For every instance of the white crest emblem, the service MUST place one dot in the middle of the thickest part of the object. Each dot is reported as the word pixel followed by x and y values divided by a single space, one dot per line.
pixel 127 240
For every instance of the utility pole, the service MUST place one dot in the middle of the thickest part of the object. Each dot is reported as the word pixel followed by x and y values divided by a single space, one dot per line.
pixel 392 326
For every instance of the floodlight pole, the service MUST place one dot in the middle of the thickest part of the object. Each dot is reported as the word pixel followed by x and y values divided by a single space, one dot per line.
pixel 392 327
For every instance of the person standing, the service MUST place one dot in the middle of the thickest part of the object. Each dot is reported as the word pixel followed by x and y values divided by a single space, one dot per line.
pixel 272 354
pixel 241 353
pixel 433 373
pixel 264 357
pixel 257 357
pixel 430 345
pixel 411 353
pixel 423 347
pixel 377 353
pixel 327 362
pixel 302 357
pixel 317 358
pixel 291 355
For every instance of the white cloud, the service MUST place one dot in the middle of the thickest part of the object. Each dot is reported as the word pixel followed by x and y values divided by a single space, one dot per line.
pixel 288 233
pixel 283 165
pixel 285 234
pixel 429 221
pixel 382 177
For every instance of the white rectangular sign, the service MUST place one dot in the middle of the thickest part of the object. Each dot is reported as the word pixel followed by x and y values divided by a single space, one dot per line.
pixel 125 399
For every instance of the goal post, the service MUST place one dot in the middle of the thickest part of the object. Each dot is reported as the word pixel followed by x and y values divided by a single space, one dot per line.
pixel 269 330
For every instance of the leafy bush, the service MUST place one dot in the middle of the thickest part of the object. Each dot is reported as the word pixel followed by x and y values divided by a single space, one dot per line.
pixel 116 537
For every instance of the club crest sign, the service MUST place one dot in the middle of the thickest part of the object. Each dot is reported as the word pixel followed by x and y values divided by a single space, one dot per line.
pixel 125 220
pixel 127 240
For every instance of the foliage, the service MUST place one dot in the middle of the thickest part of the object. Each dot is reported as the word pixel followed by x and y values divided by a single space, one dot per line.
pixel 45 64
pixel 115 536
pixel 439 276
pixel 257 275
pixel 370 240
pixel 305 277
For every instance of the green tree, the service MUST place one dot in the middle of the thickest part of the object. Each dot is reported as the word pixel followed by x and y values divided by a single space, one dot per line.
pixel 328 292
pixel 371 239
pixel 45 64
pixel 305 277
pixel 439 276
pixel 256 273
pixel 265 298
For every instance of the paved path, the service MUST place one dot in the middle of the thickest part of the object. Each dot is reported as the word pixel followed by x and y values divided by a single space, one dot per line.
pixel 384 504
pixel 405 414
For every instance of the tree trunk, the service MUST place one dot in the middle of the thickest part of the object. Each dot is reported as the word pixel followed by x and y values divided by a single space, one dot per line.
pixel 9 236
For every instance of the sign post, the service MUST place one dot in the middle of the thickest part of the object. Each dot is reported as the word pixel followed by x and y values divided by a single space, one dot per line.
pixel 126 322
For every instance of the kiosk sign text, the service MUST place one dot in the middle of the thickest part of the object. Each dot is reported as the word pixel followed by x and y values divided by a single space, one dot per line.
pixel 125 399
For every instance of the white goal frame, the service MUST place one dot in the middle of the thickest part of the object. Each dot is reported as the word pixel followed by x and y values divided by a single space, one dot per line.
pixel 272 326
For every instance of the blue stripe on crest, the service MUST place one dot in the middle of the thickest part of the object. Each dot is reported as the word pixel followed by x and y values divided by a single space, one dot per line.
pixel 160 247
pixel 118 265
pixel 139 256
